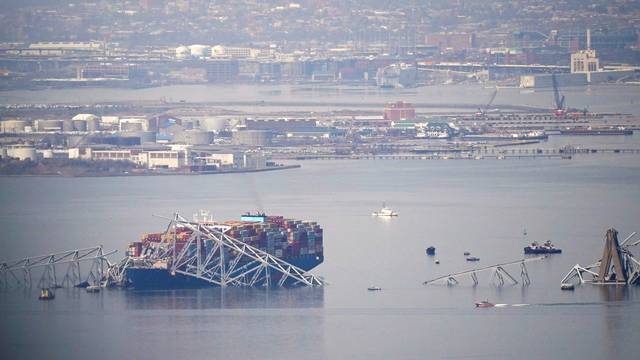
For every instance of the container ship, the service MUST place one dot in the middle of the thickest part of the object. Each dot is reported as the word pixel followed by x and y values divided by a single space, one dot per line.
pixel 510 136
pixel 596 131
pixel 297 242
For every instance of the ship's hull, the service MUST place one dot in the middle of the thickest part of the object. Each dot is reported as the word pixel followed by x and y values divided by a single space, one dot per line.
pixel 504 138
pixel 585 132
pixel 529 250
pixel 162 279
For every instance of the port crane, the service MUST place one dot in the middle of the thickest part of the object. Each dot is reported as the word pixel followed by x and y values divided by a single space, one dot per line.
pixel 618 266
pixel 559 99
pixel 481 111
pixel 499 277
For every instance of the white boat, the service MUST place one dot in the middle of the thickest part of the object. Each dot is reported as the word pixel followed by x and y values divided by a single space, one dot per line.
pixel 385 212
pixel 93 288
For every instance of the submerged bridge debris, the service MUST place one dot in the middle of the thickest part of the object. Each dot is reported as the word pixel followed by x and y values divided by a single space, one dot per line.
pixel 499 277
pixel 21 273
pixel 617 266
pixel 209 254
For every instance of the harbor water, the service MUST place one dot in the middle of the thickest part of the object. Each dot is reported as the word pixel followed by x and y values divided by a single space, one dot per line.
pixel 478 206
pixel 322 98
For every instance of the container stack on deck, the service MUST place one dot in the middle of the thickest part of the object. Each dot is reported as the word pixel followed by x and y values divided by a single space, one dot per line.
pixel 283 238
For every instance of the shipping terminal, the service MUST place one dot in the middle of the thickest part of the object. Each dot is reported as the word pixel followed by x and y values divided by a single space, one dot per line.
pixel 257 250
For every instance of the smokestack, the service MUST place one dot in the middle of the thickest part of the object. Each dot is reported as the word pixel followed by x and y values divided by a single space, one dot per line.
pixel 588 39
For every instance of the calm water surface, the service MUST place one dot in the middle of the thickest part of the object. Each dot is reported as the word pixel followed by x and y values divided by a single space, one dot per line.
pixel 602 98
pixel 479 206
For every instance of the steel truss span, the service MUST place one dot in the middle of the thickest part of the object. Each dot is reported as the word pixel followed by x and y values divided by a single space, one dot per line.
pixel 47 269
pixel 499 277
pixel 221 260
pixel 208 254
pixel 617 266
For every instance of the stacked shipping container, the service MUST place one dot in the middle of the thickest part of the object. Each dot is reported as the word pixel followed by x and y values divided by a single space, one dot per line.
pixel 287 239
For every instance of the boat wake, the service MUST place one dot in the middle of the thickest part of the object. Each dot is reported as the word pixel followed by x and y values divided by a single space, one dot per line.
pixel 511 305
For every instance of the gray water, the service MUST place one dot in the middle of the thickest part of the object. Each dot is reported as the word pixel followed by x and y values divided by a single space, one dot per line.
pixel 601 98
pixel 479 206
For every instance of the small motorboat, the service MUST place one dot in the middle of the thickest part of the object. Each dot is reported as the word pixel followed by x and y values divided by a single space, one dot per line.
pixel 473 258
pixel 431 250
pixel 484 304
pixel 567 286
pixel 46 294
pixel 384 212
pixel 437 262
pixel 466 253
pixel 374 288
pixel 93 288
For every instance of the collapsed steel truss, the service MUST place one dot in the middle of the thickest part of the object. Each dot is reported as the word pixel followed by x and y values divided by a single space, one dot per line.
pixel 212 256
pixel 227 262
pixel 617 266
pixel 499 277
pixel 20 273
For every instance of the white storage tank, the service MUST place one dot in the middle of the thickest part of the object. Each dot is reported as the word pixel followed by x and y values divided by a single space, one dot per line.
pixel 252 137
pixel 85 117
pixel 199 51
pixel 182 52
pixel 79 125
pixel 22 152
pixel 93 125
pixel 214 123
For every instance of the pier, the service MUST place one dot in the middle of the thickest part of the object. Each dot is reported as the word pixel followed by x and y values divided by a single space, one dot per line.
pixel 480 153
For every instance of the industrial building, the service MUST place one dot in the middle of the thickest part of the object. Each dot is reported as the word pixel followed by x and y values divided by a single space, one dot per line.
pixel 399 111
pixel 108 71
pixel 280 124
pixel 222 70
pixel 155 159
pixel 13 126
pixel 585 70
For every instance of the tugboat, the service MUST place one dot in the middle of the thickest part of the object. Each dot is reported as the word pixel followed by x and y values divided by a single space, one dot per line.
pixel 46 294
pixel 546 248
pixel 385 212
pixel 484 304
